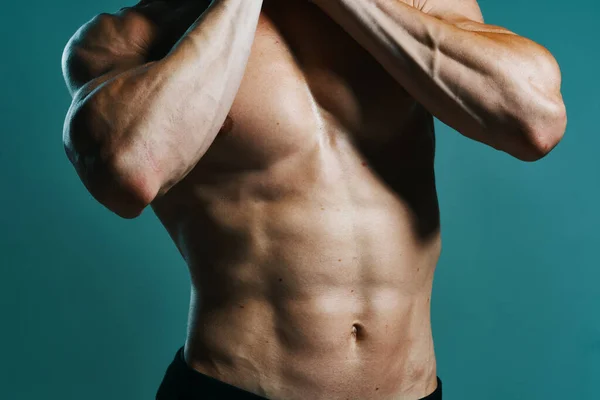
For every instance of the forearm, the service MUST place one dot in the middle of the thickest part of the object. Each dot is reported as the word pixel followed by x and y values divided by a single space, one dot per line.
pixel 145 128
pixel 489 84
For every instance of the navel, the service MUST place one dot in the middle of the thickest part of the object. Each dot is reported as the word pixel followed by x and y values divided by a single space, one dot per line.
pixel 357 331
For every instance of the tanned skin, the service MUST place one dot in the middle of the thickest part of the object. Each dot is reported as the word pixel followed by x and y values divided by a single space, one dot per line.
pixel 287 146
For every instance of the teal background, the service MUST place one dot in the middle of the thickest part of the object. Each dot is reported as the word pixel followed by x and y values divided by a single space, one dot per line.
pixel 94 306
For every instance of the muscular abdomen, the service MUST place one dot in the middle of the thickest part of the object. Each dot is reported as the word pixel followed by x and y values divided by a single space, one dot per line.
pixel 307 275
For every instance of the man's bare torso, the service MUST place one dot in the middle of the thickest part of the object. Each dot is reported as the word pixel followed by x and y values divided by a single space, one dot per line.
pixel 311 225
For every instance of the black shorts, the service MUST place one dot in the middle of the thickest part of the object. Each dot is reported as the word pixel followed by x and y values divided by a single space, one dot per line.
pixel 181 382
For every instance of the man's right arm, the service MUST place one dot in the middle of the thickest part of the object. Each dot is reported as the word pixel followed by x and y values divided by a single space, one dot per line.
pixel 136 128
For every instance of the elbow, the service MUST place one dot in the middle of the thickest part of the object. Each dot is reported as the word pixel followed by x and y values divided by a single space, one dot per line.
pixel 539 133
pixel 543 137
pixel 130 205
pixel 118 179
pixel 542 113
pixel 118 183
pixel 125 191
pixel 137 184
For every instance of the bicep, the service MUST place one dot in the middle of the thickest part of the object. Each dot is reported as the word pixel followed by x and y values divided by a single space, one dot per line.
pixel 105 47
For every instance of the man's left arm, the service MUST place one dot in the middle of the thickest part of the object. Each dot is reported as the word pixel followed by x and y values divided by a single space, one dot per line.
pixel 484 81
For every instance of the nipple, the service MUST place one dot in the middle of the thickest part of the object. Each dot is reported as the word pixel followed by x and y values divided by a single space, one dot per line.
pixel 227 126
